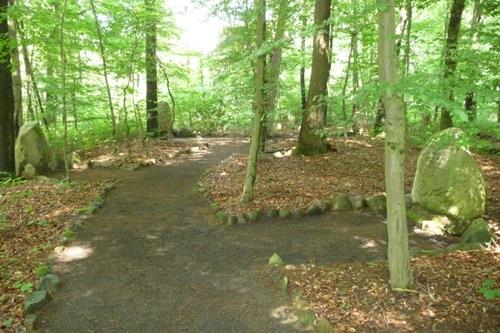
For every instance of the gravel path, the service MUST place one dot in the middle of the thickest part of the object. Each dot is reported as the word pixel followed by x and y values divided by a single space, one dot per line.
pixel 153 259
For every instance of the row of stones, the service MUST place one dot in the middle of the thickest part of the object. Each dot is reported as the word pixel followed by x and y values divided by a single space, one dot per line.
pixel 49 283
pixel 340 202
pixel 306 317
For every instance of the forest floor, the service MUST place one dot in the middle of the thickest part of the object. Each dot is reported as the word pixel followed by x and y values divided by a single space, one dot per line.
pixel 188 274
pixel 354 167
pixel 35 214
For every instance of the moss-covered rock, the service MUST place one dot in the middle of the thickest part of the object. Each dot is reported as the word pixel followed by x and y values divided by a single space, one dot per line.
pixel 36 300
pixel 323 326
pixel 465 247
pixel 285 213
pixel 341 202
pixel 357 202
pixel 314 208
pixel 254 215
pixel 448 180
pixel 272 212
pixel 430 223
pixel 477 232
pixel 32 148
pixel 222 217
pixel 275 260
pixel 241 219
pixel 377 202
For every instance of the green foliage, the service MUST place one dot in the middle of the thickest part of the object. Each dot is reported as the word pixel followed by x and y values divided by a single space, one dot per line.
pixel 69 234
pixel 24 287
pixel 40 223
pixel 489 291
pixel 42 270
pixel 3 221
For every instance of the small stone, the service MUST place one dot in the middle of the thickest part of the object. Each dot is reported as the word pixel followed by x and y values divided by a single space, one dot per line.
pixel 35 301
pixel 30 322
pixel 232 220
pixel 299 212
pixel 314 208
pixel 307 318
pixel 254 216
pixel 408 200
pixel 215 207
pixel 29 171
pixel 324 206
pixel 323 326
pixel 241 219
pixel 49 282
pixel 477 232
pixel 341 202
pixel 284 213
pixel 276 260
pixel 465 247
pixel 272 212
pixel 357 202
pixel 222 217
pixel 377 202
pixel 283 284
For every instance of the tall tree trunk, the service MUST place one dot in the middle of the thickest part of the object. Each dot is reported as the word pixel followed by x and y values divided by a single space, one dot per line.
pixel 303 93
pixel 29 72
pixel 151 68
pixel 450 57
pixel 272 81
pixel 7 107
pixel 397 247
pixel 346 79
pixel 251 171
pixel 16 75
pixel 310 141
pixel 104 68
pixel 63 87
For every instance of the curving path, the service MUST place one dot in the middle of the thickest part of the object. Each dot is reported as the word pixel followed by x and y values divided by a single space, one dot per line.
pixel 153 260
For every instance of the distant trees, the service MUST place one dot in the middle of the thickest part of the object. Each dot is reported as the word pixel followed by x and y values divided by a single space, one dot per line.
pixel 397 246
pixel 7 127
pixel 310 141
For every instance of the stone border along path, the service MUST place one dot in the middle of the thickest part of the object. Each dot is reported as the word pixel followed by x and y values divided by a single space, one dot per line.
pixel 154 258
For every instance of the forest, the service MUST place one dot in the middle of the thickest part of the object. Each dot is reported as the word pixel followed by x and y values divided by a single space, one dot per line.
pixel 249 166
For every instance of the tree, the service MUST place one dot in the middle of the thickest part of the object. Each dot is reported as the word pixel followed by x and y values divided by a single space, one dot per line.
pixel 104 67
pixel 63 84
pixel 7 107
pixel 259 104
pixel 151 68
pixel 272 81
pixel 450 57
pixel 397 246
pixel 310 141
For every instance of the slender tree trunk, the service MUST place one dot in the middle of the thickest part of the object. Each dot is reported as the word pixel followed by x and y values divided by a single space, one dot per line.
pixel 251 171
pixel 7 106
pixel 397 247
pixel 104 68
pixel 63 87
pixel 29 72
pixel 409 17
pixel 169 90
pixel 274 72
pixel 303 93
pixel 346 79
pixel 450 57
pixel 310 141
pixel 16 75
pixel 151 68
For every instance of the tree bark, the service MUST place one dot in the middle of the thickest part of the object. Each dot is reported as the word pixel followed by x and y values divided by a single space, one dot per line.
pixel 151 69
pixel 303 93
pixel 104 68
pixel 63 87
pixel 16 75
pixel 7 106
pixel 450 57
pixel 274 72
pixel 397 247
pixel 310 141
pixel 29 72
pixel 251 171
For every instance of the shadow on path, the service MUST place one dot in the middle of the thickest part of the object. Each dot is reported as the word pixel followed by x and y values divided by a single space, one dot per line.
pixel 153 260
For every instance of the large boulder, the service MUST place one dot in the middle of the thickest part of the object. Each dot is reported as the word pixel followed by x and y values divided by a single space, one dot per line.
pixel 32 149
pixel 165 118
pixel 448 180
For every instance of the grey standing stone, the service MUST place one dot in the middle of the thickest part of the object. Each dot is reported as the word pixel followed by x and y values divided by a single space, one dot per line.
pixel 36 300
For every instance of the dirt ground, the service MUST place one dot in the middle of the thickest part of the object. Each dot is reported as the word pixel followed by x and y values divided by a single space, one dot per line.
pixel 356 167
